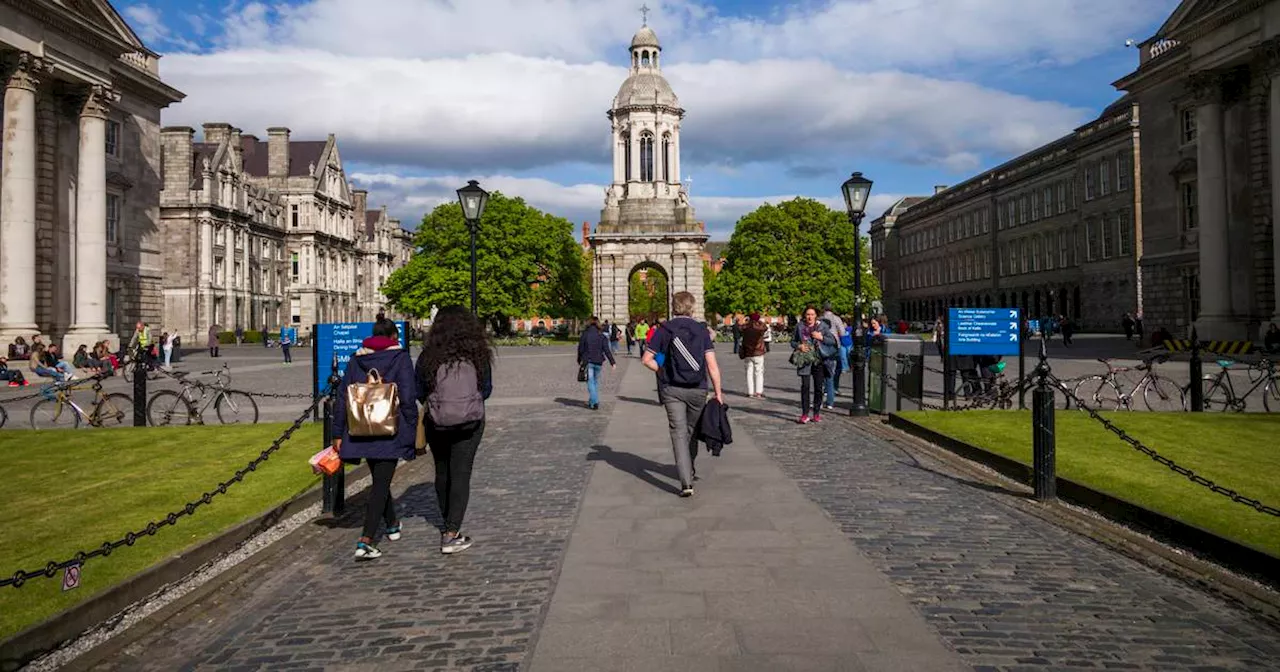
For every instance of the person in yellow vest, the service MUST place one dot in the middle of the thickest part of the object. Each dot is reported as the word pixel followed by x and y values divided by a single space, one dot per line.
pixel 642 334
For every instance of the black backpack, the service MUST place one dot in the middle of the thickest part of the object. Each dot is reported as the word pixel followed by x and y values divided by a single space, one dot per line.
pixel 684 361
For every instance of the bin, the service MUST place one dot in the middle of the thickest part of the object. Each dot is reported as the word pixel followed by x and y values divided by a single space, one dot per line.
pixel 903 356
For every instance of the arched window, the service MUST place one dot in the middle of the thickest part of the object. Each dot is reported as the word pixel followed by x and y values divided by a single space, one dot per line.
pixel 646 158
pixel 626 154
pixel 644 58
pixel 635 59
pixel 666 157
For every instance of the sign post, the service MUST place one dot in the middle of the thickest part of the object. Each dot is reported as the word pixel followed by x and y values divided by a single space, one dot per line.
pixel 984 332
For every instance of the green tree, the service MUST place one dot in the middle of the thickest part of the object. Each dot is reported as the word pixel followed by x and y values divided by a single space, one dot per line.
pixel 527 261
pixel 783 257
pixel 647 295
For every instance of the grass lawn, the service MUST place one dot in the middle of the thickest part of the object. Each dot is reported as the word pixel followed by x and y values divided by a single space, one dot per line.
pixel 1237 451
pixel 70 490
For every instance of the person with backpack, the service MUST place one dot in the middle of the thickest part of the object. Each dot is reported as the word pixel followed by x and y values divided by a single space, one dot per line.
pixel 593 349
pixel 381 433
pixel 816 348
pixel 689 363
pixel 455 377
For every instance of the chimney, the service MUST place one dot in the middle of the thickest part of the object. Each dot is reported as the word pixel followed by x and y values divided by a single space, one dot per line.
pixel 359 203
pixel 175 146
pixel 939 188
pixel 586 232
pixel 215 133
pixel 278 151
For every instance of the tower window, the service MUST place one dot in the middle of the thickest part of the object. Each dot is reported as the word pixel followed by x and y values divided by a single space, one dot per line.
pixel 666 157
pixel 626 151
pixel 644 58
pixel 646 158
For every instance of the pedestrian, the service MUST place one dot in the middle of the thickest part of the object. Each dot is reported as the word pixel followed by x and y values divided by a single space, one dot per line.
pixel 166 345
pixel 1068 328
pixel 939 335
pixel 642 335
pixel 689 363
pixel 392 440
pixel 736 331
pixel 834 367
pixel 593 349
pixel 239 335
pixel 752 351
pixel 455 377
pixel 213 341
pixel 287 337
pixel 1271 341
pixel 630 334
pixel 812 336
pixel 1127 324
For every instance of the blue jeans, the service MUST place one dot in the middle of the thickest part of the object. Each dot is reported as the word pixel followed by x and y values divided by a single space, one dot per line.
pixel 47 372
pixel 593 383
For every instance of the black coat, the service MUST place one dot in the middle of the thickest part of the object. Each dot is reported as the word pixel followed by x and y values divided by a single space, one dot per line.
pixel 713 426
pixel 593 347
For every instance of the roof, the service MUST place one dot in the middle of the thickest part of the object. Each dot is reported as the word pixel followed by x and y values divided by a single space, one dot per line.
pixel 645 88
pixel 302 154
pixel 715 248
pixel 645 37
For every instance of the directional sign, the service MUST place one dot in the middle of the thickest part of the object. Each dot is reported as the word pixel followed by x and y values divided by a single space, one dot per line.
pixel 984 331
pixel 343 339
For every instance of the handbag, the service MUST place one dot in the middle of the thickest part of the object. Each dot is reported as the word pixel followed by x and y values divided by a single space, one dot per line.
pixel 373 407
pixel 420 440
pixel 582 372
pixel 800 359
pixel 326 462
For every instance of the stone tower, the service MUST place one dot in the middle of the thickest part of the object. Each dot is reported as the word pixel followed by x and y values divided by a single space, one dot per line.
pixel 647 221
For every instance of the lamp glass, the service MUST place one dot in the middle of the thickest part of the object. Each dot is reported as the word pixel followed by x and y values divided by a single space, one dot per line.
pixel 856 191
pixel 473 200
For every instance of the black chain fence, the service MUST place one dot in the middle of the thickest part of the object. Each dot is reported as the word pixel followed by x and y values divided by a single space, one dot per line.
pixel 51 569
pixel 199 384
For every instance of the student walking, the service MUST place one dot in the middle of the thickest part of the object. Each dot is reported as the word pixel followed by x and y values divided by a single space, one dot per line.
pixel 593 349
pixel 642 335
pixel 834 368
pixel 813 337
pixel 752 351
pixel 689 363
pixel 379 355
pixel 455 377
pixel 287 336
pixel 166 346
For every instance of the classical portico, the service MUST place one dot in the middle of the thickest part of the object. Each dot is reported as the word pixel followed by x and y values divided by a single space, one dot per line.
pixel 647 220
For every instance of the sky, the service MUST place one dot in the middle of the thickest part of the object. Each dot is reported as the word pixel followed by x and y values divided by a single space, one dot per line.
pixel 781 99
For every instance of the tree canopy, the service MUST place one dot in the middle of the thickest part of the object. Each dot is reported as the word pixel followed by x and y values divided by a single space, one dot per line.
pixel 527 261
pixel 647 295
pixel 784 257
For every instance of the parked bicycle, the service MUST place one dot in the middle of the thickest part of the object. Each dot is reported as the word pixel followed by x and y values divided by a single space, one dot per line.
pixel 1220 392
pixel 59 410
pixel 994 392
pixel 1158 392
pixel 187 406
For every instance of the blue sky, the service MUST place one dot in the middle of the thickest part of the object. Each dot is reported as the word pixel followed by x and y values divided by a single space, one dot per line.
pixel 781 98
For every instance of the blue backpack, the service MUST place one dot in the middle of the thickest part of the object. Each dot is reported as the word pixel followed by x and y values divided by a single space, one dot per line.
pixel 684 360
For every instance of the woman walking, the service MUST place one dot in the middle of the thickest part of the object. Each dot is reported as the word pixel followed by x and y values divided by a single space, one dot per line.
pixel 382 353
pixel 166 345
pixel 814 336
pixel 593 349
pixel 455 377
pixel 751 350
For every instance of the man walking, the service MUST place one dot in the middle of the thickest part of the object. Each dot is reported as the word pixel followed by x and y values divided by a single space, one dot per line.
pixel 287 336
pixel 837 327
pixel 689 362
pixel 736 330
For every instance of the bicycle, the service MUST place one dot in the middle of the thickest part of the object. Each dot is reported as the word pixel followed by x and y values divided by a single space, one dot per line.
pixel 4 416
pixel 173 407
pixel 995 392
pixel 1220 394
pixel 1158 393
pixel 129 363
pixel 59 410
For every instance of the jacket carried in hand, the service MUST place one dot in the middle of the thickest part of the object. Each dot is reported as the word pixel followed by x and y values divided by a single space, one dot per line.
pixel 396 366
pixel 713 426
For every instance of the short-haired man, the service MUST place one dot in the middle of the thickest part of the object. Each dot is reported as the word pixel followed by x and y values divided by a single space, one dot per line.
pixel 689 362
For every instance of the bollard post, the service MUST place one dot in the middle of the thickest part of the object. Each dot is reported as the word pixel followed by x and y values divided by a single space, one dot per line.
pixel 335 486
pixel 139 388
pixel 1197 374
pixel 1042 433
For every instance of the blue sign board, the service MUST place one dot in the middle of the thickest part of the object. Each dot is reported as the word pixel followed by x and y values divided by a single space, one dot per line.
pixel 984 331
pixel 343 339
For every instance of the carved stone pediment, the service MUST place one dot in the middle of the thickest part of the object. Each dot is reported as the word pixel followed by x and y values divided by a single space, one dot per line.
pixel 1187 166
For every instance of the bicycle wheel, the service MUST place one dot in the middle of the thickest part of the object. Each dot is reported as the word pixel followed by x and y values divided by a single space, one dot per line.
pixel 236 408
pixel 53 414
pixel 1098 393
pixel 1216 395
pixel 167 407
pixel 126 370
pixel 1270 397
pixel 115 410
pixel 4 416
pixel 1162 396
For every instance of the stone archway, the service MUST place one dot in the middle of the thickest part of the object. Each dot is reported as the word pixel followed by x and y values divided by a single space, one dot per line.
pixel 677 254
pixel 648 292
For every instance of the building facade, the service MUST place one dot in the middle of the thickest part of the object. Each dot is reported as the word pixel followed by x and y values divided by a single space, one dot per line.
pixel 259 235
pixel 79 256
pixel 1053 232
pixel 647 222
pixel 1208 86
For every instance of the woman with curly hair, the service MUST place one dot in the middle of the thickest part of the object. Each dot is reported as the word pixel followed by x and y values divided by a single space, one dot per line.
pixel 455 377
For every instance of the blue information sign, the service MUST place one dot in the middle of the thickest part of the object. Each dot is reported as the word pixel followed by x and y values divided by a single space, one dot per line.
pixel 984 331
pixel 343 339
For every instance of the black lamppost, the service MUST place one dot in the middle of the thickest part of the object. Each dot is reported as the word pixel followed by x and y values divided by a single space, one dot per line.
pixel 856 190
pixel 473 200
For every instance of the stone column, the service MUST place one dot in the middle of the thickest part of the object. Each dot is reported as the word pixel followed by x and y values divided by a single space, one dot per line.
pixel 1216 320
pixel 18 200
pixel 1271 62
pixel 90 314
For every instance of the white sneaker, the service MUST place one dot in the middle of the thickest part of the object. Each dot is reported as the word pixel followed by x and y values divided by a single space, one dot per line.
pixel 393 533
pixel 366 551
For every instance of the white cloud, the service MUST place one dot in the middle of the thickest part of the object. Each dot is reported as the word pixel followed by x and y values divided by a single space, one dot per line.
pixel 147 22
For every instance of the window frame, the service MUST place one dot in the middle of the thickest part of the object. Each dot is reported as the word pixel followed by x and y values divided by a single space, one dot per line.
pixel 1124 233
pixel 1188 126
pixel 114 203
pixel 1189 205
pixel 1089 182
pixel 111 137
pixel 1062 197
pixel 1108 236
pixel 1104 178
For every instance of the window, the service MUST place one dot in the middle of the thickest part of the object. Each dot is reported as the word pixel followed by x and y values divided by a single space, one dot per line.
pixel 293 265
pixel 218 265
pixel 1025 248
pixel 666 157
pixel 1048 252
pixel 1071 193
pixel 1063 258
pixel 1124 167
pixel 1108 237
pixel 1088 183
pixel 113 304
pixel 1091 240
pixel 1022 209
pixel 237 282
pixel 1104 177
pixel 1012 217
pixel 1004 262
pixel 1035 253
pixel 1062 197
pixel 1188 125
pixel 113 138
pixel 113 218
pixel 293 215
pixel 626 155
pixel 1124 230
pixel 1191 295
pixel 1190 201
pixel 1035 206
pixel 1048 201
pixel 986 263
pixel 295 310
pixel 1015 260
pixel 986 220
pixel 646 158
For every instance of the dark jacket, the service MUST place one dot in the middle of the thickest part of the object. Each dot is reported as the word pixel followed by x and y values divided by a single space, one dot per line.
pixel 593 346
pixel 713 426
pixel 753 340
pixel 396 366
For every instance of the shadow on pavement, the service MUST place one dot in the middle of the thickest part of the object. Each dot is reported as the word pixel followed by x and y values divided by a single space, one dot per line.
pixel 640 400
pixel 914 463
pixel 419 500
pixel 571 403
pixel 642 468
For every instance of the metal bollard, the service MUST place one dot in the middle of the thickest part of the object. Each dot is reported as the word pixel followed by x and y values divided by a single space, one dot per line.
pixel 335 486
pixel 1044 458
pixel 1197 375
pixel 139 389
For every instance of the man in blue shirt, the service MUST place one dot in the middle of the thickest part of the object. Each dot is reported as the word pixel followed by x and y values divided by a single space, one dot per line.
pixel 288 335
pixel 689 362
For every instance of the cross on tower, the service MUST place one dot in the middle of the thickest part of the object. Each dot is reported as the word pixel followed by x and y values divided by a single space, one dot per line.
pixel 644 13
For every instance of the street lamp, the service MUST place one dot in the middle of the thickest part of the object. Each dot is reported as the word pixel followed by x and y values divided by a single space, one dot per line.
pixel 473 200
pixel 856 190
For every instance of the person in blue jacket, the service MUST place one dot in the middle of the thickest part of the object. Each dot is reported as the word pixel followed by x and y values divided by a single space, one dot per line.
pixel 380 351
pixel 593 349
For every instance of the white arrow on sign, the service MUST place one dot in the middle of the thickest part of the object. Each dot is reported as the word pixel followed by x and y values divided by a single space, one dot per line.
pixel 1013 337
pixel 1013 313
pixel 1013 326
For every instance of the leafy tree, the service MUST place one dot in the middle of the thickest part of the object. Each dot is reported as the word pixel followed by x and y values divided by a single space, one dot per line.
pixel 783 257
pixel 647 295
pixel 527 261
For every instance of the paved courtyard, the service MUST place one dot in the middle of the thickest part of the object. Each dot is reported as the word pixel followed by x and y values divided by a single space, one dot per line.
pixel 821 547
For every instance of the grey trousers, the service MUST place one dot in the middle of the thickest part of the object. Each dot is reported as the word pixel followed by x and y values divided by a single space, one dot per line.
pixel 684 408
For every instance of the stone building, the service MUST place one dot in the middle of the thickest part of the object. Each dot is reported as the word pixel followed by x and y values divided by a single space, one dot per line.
pixel 80 260
pixel 384 247
pixel 1207 84
pixel 1054 231
pixel 647 222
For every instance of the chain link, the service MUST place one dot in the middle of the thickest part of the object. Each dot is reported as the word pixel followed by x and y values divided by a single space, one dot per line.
pixel 50 569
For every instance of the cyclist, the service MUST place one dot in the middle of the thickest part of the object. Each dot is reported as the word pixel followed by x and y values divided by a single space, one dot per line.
pixel 989 368
pixel 967 365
